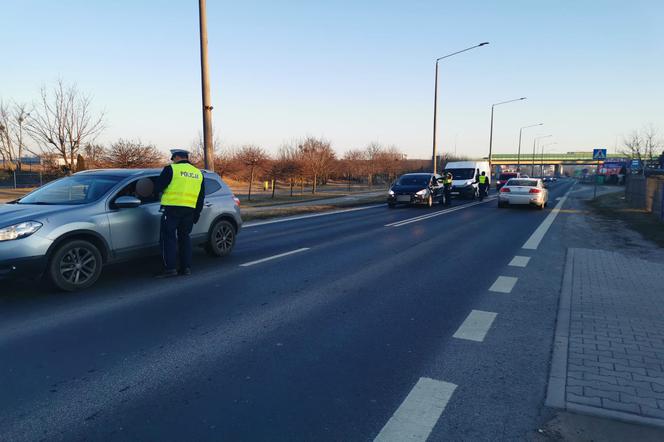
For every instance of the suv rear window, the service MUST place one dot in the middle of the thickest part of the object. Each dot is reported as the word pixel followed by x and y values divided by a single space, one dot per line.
pixel 211 186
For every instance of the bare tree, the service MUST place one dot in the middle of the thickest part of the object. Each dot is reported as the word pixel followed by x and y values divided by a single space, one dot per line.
pixel 289 163
pixel 317 159
pixel 12 123
pixel 63 121
pixel 372 155
pixel 130 154
pixel 652 142
pixel 94 155
pixel 633 146
pixel 254 158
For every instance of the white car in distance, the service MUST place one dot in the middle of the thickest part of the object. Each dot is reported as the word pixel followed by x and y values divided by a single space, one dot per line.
pixel 523 191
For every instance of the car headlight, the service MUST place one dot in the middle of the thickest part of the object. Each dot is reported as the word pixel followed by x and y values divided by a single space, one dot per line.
pixel 422 192
pixel 469 182
pixel 390 192
pixel 18 231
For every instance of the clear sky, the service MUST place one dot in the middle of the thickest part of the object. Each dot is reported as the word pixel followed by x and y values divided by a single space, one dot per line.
pixel 351 71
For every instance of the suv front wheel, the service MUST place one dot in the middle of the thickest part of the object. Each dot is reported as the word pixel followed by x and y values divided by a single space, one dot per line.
pixel 75 265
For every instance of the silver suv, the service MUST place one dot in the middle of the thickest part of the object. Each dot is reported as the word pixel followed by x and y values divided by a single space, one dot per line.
pixel 68 229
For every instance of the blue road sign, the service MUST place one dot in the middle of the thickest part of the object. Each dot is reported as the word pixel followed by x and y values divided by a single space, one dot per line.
pixel 599 154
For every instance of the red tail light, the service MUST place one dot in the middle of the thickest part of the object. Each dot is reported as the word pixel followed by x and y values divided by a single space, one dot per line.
pixel 535 191
pixel 237 200
pixel 504 189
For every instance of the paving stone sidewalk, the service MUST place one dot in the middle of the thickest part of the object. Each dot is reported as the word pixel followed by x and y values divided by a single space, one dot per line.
pixel 609 348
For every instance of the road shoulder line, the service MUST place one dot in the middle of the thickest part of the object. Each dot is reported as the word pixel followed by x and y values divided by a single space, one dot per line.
pixel 476 326
pixel 270 258
pixel 538 235
pixel 418 413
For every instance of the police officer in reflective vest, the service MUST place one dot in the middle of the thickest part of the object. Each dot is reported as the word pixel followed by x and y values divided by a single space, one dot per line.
pixel 483 182
pixel 181 202
pixel 447 188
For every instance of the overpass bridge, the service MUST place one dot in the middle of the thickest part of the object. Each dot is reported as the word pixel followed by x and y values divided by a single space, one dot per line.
pixel 558 160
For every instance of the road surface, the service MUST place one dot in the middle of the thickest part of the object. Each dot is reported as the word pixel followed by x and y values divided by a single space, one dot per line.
pixel 378 323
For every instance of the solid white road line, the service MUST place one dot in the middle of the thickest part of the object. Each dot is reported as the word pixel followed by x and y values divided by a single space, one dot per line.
pixel 440 212
pixel 537 236
pixel 476 326
pixel 315 215
pixel 519 261
pixel 504 284
pixel 418 413
pixel 270 258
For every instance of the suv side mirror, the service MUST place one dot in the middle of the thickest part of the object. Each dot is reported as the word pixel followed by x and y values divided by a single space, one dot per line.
pixel 127 202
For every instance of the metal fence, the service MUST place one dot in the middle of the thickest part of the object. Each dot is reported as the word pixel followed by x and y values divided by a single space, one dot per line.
pixel 16 180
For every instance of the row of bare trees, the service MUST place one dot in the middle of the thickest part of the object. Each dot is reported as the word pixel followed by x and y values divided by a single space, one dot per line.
pixel 310 160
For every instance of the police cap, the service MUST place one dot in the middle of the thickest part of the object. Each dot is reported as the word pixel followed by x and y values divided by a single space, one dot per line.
pixel 179 152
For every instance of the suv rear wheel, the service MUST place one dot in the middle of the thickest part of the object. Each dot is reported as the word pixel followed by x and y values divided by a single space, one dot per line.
pixel 75 265
pixel 221 238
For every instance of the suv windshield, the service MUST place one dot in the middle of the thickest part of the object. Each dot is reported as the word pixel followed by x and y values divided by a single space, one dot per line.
pixel 77 189
pixel 528 183
pixel 462 174
pixel 414 180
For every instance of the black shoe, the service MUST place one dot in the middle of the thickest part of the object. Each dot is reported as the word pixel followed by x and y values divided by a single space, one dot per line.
pixel 166 274
pixel 185 272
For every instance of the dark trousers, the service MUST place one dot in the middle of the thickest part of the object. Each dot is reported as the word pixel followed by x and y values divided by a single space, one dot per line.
pixel 447 191
pixel 483 191
pixel 176 225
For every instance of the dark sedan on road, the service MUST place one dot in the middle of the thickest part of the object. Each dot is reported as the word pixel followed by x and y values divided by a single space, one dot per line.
pixel 70 228
pixel 416 188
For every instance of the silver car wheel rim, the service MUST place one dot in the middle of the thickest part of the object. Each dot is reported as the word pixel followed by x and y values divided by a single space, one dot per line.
pixel 78 265
pixel 223 238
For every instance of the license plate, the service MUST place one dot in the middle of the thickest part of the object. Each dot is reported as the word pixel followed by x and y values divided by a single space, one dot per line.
pixel 403 198
pixel 454 193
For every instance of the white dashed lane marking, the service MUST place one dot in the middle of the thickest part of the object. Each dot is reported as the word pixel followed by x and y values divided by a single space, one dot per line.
pixel 476 326
pixel 537 236
pixel 504 284
pixel 418 413
pixel 519 261
pixel 270 258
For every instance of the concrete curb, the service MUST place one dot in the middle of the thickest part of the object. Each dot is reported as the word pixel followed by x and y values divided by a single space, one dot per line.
pixel 555 396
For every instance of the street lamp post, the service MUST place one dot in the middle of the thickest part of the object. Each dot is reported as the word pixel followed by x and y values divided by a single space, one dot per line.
pixel 535 140
pixel 491 130
pixel 518 155
pixel 208 150
pixel 435 97
pixel 542 158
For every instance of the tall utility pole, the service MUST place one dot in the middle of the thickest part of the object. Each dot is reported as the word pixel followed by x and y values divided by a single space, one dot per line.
pixel 208 149
pixel 491 130
pixel 518 155
pixel 435 98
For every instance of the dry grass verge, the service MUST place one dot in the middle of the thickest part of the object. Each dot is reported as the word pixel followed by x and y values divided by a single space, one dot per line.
pixel 300 210
pixel 614 206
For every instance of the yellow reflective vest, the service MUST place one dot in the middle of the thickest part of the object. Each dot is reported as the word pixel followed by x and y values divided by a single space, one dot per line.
pixel 482 179
pixel 184 187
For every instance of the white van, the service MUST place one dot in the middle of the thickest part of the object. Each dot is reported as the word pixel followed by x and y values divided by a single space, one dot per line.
pixel 464 177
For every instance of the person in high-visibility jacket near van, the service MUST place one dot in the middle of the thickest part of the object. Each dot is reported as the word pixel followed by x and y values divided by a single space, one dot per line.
pixel 483 183
pixel 182 202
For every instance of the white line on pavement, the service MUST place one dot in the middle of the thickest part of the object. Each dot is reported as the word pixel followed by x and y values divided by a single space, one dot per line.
pixel 269 258
pixel 519 261
pixel 537 236
pixel 476 326
pixel 315 215
pixel 440 212
pixel 418 413
pixel 504 284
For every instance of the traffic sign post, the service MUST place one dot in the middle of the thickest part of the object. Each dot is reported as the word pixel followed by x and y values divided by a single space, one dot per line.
pixel 599 155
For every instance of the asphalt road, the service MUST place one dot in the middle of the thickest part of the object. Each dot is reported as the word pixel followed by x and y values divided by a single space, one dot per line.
pixel 330 342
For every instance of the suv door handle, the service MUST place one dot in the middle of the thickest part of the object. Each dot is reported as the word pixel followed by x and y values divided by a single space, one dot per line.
pixel 208 204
